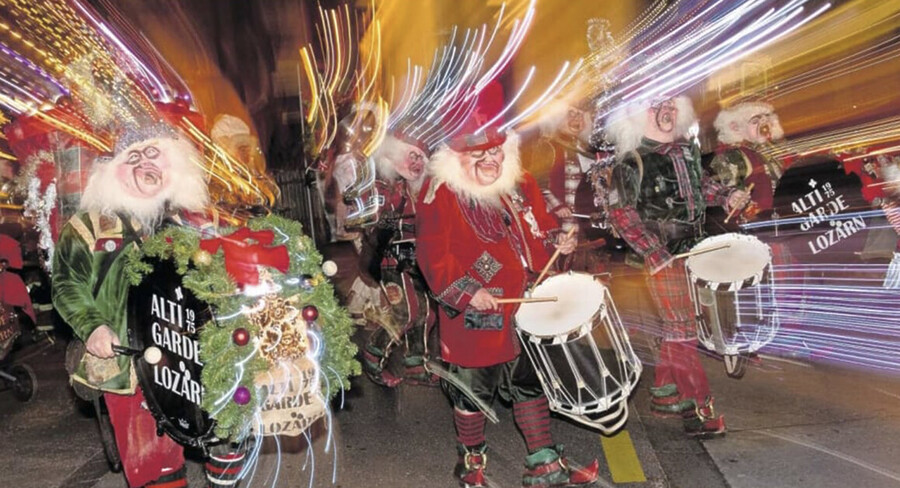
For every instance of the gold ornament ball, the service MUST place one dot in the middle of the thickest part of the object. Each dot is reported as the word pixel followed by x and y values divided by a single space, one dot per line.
pixel 202 258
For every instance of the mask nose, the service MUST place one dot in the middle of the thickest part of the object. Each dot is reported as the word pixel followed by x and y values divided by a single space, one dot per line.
pixel 494 158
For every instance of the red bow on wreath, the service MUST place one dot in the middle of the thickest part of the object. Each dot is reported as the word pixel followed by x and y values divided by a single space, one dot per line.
pixel 245 250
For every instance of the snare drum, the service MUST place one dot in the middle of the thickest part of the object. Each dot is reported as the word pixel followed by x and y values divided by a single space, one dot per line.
pixel 733 294
pixel 580 350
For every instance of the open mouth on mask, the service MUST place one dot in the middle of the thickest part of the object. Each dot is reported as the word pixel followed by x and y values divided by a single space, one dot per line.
pixel 147 177
pixel 488 169
pixel 576 127
pixel 765 131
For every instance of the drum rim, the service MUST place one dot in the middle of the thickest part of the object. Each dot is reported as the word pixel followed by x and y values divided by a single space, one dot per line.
pixel 579 327
pixel 751 280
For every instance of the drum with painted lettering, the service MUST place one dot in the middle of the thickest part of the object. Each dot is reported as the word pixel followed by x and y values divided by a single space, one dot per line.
pixel 580 350
pixel 734 297
pixel 164 314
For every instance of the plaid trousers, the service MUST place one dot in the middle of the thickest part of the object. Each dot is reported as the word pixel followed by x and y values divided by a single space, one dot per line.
pixel 670 291
pixel 679 361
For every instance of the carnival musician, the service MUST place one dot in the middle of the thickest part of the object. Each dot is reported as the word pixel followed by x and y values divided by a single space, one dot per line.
pixel 746 133
pixel 400 164
pixel 657 203
pixel 567 188
pixel 889 169
pixel 155 174
pixel 482 230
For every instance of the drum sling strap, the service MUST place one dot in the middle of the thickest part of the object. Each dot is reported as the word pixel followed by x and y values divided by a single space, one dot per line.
pixel 129 236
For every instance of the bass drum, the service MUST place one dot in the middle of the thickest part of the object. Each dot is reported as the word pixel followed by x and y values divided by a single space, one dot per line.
pixel 165 314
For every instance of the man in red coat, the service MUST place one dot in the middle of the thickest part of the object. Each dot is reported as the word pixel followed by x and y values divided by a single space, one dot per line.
pixel 482 233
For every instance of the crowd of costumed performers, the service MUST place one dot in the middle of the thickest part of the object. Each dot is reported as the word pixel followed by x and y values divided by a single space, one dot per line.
pixel 202 320
pixel 648 187
pixel 169 304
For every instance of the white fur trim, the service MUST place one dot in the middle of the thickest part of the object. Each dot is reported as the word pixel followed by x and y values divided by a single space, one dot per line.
pixel 740 114
pixel 390 150
pixel 627 124
pixel 445 168
pixel 187 189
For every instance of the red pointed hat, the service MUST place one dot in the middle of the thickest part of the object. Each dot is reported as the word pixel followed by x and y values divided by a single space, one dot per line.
pixel 488 105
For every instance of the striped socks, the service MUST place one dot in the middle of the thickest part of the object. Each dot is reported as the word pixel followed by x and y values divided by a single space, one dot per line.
pixel 533 419
pixel 223 470
pixel 469 427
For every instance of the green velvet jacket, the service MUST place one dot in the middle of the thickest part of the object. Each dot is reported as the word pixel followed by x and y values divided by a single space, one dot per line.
pixel 89 288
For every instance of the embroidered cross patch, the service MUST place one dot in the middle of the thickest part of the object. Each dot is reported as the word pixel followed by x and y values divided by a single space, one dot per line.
pixel 487 266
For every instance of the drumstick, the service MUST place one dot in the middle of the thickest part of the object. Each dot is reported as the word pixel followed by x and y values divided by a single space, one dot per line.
pixel 526 300
pixel 882 183
pixel 702 251
pixel 151 355
pixel 581 216
pixel 404 241
pixel 735 209
pixel 552 260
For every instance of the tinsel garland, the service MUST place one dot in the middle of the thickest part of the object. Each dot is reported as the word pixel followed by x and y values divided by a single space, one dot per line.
pixel 40 207
pixel 210 282
pixel 34 179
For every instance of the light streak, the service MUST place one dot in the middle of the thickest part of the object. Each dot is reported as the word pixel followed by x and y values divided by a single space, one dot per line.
pixel 689 47
pixel 840 140
pixel 511 102
pixel 54 122
pixel 552 90
pixel 110 35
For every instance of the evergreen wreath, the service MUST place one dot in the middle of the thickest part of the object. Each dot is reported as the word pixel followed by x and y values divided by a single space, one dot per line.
pixel 205 275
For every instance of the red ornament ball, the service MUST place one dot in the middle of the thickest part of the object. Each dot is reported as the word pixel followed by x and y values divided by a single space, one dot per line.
pixel 310 313
pixel 241 395
pixel 240 336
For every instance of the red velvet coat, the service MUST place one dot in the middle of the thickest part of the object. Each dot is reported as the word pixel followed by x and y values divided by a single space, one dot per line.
pixel 462 247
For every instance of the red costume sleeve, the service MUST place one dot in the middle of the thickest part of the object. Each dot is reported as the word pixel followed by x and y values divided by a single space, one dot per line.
pixel 716 194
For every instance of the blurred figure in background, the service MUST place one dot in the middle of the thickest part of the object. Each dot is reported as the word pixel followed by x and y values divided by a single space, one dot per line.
pixel 563 153
pixel 658 205
pixel 391 255
pixel 745 132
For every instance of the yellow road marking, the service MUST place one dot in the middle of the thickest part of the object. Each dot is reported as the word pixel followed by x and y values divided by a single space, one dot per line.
pixel 622 459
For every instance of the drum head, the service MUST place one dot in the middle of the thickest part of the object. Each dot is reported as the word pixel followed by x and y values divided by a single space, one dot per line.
pixel 579 297
pixel 746 257
pixel 165 314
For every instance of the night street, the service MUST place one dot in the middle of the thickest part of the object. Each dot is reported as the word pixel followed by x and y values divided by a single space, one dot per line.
pixel 791 424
